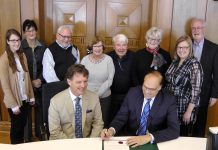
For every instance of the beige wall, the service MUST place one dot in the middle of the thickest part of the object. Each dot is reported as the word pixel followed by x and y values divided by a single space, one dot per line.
pixel 212 21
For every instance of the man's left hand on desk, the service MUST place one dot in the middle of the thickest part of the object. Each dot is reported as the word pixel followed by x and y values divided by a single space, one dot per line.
pixel 138 140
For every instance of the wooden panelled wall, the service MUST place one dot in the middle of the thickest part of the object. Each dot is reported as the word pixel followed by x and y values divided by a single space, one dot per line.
pixel 173 16
pixel 9 18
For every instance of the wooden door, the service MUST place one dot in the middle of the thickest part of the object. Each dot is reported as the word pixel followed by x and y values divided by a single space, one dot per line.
pixel 78 14
pixel 130 17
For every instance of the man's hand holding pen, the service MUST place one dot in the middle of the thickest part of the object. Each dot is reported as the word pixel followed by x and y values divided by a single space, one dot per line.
pixel 107 133
pixel 133 141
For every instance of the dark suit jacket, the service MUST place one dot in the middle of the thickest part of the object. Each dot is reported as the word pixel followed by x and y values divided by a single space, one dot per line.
pixel 209 63
pixel 162 122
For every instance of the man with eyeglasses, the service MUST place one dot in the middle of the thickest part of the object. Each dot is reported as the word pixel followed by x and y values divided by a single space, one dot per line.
pixel 60 55
pixel 150 114
pixel 207 53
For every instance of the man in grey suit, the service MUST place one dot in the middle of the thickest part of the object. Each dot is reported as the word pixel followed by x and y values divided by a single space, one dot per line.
pixel 75 112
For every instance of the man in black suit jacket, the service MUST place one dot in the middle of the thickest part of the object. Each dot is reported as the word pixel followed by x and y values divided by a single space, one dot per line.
pixel 162 122
pixel 207 53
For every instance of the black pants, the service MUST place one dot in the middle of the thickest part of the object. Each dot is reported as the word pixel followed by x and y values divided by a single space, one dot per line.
pixel 28 127
pixel 116 102
pixel 38 113
pixel 200 125
pixel 105 109
pixel 17 124
pixel 38 117
pixel 186 130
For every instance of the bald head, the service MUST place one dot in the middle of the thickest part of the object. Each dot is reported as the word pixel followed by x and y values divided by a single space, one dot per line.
pixel 155 74
pixel 152 84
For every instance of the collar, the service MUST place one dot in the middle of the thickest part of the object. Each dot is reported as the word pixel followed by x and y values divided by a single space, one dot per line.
pixel 151 101
pixel 26 45
pixel 201 43
pixel 152 51
pixel 62 46
pixel 73 97
pixel 123 58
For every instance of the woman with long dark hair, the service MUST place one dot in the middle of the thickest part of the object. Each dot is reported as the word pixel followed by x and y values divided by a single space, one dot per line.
pixel 16 85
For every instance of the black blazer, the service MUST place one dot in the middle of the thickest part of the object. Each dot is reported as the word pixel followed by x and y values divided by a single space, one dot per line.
pixel 162 122
pixel 209 63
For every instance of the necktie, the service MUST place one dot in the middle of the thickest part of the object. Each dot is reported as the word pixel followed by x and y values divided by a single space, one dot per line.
pixel 78 119
pixel 197 50
pixel 143 120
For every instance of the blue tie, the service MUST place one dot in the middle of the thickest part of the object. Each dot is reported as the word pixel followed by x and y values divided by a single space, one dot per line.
pixel 78 119
pixel 143 120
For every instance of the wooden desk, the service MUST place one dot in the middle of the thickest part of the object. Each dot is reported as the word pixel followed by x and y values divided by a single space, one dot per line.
pixel 182 143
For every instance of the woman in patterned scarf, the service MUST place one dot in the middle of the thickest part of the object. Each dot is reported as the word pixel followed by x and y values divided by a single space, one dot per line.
pixel 152 57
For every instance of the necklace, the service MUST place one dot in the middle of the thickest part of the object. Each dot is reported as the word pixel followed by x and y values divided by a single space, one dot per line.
pixel 96 61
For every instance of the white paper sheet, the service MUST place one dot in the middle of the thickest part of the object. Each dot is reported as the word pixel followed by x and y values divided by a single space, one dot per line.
pixel 116 143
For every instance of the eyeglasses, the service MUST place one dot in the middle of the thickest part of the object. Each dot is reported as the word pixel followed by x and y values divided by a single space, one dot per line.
pixel 29 31
pixel 152 39
pixel 197 28
pixel 183 48
pixel 150 89
pixel 64 37
pixel 97 46
pixel 14 41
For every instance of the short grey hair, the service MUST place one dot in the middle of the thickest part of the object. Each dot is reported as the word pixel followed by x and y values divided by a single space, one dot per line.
pixel 154 32
pixel 198 20
pixel 120 38
pixel 63 27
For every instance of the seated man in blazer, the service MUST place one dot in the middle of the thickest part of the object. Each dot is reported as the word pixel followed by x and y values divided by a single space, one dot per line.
pixel 75 112
pixel 160 122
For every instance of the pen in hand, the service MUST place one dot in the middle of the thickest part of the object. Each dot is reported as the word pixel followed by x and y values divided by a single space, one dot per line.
pixel 106 133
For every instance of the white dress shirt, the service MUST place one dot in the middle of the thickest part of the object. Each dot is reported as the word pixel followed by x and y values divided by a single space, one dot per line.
pixel 197 49
pixel 73 98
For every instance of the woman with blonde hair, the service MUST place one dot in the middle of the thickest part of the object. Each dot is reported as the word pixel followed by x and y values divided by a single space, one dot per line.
pixel 184 78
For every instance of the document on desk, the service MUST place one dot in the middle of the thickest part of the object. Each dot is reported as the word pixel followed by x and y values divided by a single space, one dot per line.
pixel 116 143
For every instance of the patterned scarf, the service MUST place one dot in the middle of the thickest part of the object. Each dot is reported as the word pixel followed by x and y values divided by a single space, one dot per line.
pixel 158 59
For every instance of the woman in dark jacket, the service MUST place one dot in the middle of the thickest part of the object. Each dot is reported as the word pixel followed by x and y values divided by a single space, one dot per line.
pixel 34 51
pixel 152 57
